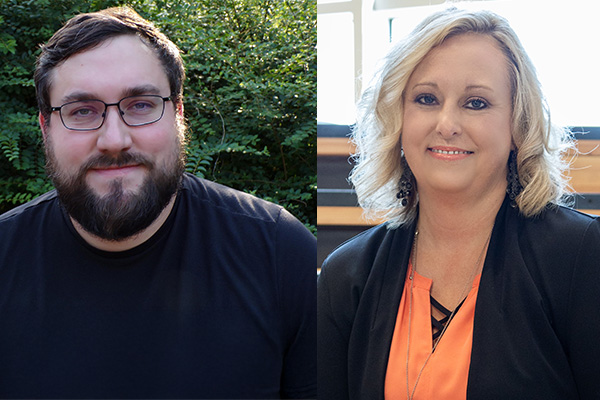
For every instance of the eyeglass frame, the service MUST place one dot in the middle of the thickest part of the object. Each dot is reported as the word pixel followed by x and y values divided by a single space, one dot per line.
pixel 117 104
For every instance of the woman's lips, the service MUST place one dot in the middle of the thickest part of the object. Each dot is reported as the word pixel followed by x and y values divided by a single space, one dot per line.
pixel 449 153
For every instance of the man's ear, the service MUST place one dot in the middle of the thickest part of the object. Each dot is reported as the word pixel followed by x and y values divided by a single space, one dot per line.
pixel 43 125
pixel 180 109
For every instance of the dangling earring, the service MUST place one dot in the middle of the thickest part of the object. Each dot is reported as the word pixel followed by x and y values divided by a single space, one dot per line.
pixel 514 184
pixel 405 183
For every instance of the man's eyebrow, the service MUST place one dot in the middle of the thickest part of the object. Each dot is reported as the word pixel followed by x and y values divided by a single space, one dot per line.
pixel 132 91
pixel 77 96
pixel 140 90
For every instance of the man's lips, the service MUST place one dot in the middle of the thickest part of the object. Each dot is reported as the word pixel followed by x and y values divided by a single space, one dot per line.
pixel 115 169
pixel 114 166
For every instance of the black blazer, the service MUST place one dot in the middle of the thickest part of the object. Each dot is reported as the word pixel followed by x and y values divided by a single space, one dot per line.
pixel 536 331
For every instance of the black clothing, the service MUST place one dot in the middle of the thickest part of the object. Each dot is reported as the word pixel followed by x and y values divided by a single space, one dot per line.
pixel 536 332
pixel 219 303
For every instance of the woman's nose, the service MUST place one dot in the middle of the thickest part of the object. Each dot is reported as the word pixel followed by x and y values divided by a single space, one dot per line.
pixel 449 123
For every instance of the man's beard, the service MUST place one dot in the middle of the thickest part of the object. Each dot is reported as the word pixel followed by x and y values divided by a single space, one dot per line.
pixel 120 214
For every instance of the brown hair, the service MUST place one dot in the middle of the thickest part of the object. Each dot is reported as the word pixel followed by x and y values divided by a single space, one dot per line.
pixel 85 31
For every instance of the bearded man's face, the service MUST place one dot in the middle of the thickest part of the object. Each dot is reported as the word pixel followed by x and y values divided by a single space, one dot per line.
pixel 116 179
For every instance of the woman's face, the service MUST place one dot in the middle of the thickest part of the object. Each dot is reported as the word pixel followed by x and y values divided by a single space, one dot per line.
pixel 456 133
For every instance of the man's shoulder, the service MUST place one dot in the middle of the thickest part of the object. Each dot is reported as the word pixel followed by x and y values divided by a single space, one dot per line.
pixel 27 222
pixel 223 199
pixel 235 214
pixel 30 209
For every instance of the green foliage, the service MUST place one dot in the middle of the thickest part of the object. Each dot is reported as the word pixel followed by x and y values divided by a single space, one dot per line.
pixel 250 93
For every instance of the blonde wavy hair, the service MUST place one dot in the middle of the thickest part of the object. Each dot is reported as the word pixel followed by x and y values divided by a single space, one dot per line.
pixel 540 145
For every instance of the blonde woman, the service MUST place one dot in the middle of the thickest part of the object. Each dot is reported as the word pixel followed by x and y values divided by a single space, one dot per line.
pixel 481 284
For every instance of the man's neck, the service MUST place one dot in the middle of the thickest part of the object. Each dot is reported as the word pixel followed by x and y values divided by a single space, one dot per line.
pixel 131 242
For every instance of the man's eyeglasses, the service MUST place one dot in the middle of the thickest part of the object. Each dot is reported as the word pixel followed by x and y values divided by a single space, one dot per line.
pixel 89 115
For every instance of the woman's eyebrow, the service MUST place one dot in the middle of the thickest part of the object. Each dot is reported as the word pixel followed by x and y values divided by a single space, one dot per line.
pixel 468 87
pixel 428 84
pixel 479 86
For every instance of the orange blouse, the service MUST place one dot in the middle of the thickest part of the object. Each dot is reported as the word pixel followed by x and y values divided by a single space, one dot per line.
pixel 446 374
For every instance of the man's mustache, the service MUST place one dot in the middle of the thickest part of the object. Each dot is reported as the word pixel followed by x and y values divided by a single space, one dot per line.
pixel 122 159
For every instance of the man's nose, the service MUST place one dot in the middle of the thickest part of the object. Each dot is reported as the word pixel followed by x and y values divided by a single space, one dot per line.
pixel 114 135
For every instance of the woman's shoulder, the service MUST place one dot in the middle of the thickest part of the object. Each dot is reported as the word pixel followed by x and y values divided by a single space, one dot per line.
pixel 571 213
pixel 355 258
pixel 580 229
pixel 561 220
pixel 358 268
pixel 560 234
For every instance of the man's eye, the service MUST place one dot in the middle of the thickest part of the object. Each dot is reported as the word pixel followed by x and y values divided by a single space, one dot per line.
pixel 477 104
pixel 141 106
pixel 426 99
pixel 83 112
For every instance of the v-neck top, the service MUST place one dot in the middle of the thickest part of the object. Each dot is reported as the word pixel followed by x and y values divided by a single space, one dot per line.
pixel 446 374
pixel 538 289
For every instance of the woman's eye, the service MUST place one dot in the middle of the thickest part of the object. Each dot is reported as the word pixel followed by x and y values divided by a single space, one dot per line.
pixel 426 99
pixel 476 104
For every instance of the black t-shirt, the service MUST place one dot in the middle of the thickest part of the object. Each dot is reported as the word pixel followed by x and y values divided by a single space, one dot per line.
pixel 219 303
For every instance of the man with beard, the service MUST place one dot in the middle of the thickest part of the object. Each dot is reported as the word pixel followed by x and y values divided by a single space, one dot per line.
pixel 133 279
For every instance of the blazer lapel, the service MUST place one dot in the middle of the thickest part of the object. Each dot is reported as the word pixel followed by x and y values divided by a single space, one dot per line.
pixel 376 315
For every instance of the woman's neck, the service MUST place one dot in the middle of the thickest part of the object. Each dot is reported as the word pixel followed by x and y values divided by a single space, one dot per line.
pixel 454 232
pixel 454 218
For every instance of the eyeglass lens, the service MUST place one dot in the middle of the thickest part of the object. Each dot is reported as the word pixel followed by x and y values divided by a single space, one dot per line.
pixel 90 114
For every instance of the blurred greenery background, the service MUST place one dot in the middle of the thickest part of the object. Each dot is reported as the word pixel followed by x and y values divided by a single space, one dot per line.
pixel 250 94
